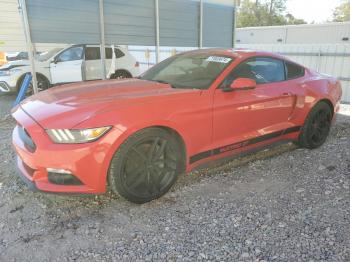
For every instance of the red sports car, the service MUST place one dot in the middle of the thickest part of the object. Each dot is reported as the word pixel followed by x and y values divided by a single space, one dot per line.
pixel 138 135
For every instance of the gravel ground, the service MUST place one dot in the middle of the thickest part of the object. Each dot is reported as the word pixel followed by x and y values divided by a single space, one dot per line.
pixel 284 204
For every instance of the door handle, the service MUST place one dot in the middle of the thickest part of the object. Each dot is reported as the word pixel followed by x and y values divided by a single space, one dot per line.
pixel 287 94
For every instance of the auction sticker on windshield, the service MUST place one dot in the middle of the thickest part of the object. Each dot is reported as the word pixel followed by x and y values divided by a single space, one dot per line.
pixel 219 59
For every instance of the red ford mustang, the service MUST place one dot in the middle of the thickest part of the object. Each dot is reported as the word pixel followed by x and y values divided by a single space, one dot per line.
pixel 137 135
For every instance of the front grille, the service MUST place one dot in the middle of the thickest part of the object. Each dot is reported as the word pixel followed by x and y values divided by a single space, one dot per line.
pixel 27 140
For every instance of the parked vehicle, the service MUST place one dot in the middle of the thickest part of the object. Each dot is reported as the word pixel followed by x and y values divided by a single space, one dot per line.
pixel 138 135
pixel 2 58
pixel 65 65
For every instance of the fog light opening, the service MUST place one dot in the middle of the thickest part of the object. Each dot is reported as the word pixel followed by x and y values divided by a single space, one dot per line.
pixel 62 177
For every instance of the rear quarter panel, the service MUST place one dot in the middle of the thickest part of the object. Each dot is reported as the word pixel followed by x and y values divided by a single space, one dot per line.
pixel 321 87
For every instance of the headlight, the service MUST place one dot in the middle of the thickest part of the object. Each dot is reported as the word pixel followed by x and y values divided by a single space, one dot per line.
pixel 76 136
pixel 9 72
pixel 5 72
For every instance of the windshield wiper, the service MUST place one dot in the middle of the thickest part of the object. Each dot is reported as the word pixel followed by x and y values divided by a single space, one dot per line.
pixel 163 82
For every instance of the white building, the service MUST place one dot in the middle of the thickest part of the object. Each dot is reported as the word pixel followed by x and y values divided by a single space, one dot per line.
pixel 332 33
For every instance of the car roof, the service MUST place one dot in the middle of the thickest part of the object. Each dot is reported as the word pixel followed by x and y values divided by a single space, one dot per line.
pixel 240 53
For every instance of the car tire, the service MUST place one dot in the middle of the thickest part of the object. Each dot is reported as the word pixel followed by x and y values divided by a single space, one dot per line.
pixel 121 74
pixel 43 84
pixel 145 166
pixel 317 126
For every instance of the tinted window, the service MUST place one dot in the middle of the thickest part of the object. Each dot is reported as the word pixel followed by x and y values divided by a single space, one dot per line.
pixel 294 71
pixel 109 53
pixel 262 70
pixel 71 54
pixel 92 53
pixel 118 53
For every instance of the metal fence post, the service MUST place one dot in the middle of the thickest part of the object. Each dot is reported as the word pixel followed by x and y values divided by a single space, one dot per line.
pixel 201 24
pixel 157 30
pixel 30 49
pixel 102 40
pixel 235 3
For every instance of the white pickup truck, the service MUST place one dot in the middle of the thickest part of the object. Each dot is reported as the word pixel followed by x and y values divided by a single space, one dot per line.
pixel 71 64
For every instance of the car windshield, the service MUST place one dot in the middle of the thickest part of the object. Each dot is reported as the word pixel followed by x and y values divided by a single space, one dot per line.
pixel 47 55
pixel 188 70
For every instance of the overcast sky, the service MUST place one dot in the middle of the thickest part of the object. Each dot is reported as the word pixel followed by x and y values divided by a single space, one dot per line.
pixel 312 10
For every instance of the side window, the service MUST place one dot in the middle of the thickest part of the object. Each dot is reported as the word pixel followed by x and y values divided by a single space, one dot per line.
pixel 71 54
pixel 118 53
pixel 109 53
pixel 262 69
pixel 92 53
pixel 294 71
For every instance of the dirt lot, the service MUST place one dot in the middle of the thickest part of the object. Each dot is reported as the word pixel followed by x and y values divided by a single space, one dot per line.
pixel 284 204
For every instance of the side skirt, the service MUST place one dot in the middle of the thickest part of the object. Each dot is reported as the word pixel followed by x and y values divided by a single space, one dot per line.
pixel 225 160
pixel 242 144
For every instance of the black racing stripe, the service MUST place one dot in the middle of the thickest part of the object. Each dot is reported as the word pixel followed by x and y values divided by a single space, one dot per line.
pixel 200 156
pixel 292 130
pixel 241 144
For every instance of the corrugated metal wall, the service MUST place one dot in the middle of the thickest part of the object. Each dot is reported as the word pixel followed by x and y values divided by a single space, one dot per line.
pixel 217 25
pixel 131 22
pixel 121 27
pixel 11 33
pixel 12 37
pixel 332 59
pixel 51 21
pixel 179 23
pixel 55 22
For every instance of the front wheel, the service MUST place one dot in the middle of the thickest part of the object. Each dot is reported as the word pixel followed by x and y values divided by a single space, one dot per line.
pixel 145 166
pixel 121 74
pixel 317 126
pixel 43 84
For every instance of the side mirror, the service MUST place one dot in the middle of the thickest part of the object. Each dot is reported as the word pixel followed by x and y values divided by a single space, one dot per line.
pixel 55 60
pixel 241 84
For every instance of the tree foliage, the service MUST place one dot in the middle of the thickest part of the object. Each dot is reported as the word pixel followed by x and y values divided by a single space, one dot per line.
pixel 342 12
pixel 264 13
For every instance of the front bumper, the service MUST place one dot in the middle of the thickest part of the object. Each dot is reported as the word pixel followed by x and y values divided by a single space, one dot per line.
pixel 88 162
pixel 8 84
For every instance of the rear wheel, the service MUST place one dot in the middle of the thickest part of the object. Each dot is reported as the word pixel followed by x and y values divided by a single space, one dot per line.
pixel 317 126
pixel 145 166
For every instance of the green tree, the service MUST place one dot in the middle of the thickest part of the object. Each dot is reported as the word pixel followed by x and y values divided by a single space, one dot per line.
pixel 291 20
pixel 342 12
pixel 264 13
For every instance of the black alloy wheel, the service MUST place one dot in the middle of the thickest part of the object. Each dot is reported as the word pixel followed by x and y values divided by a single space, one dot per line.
pixel 317 126
pixel 43 84
pixel 145 166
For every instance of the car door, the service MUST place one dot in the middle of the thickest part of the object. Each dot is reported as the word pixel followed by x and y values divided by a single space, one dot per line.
pixel 67 66
pixel 93 62
pixel 245 114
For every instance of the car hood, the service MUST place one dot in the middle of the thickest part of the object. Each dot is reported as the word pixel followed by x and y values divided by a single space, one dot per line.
pixel 20 63
pixel 13 64
pixel 69 105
